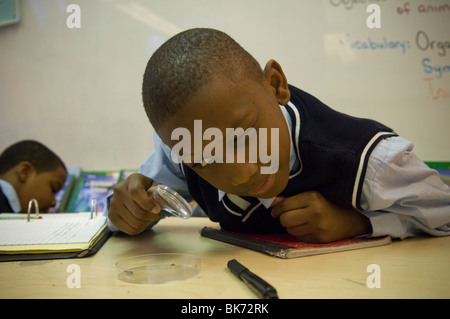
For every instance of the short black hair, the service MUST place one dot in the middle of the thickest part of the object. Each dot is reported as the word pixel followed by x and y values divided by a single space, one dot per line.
pixel 188 61
pixel 40 156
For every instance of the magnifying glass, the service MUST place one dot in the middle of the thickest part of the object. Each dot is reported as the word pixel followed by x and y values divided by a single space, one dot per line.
pixel 171 202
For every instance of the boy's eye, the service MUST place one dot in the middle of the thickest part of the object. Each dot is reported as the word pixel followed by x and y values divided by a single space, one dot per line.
pixel 55 188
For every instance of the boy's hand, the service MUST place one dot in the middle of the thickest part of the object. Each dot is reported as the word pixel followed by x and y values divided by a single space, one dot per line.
pixel 131 209
pixel 312 218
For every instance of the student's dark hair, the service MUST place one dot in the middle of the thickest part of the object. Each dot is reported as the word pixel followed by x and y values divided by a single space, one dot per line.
pixel 40 156
pixel 188 61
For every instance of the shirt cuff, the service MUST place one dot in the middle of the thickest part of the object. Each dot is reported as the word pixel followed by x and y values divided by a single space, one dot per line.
pixel 385 223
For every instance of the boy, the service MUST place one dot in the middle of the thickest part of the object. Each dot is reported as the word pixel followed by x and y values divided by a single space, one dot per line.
pixel 337 176
pixel 29 170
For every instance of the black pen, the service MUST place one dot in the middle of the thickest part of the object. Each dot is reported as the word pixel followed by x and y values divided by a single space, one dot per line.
pixel 256 284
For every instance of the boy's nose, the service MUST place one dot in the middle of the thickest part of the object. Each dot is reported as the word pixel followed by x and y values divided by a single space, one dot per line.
pixel 53 202
pixel 242 172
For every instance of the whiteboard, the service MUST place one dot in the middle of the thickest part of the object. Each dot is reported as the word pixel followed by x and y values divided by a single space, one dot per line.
pixel 78 90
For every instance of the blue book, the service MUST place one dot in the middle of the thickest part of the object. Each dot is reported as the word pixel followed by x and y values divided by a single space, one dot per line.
pixel 92 184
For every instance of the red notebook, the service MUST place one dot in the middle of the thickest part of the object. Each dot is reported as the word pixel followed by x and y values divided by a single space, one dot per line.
pixel 287 246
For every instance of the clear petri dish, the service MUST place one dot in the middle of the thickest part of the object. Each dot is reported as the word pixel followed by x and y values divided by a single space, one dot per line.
pixel 172 202
pixel 158 268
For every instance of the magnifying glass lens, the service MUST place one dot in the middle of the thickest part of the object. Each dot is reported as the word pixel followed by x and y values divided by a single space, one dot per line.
pixel 172 202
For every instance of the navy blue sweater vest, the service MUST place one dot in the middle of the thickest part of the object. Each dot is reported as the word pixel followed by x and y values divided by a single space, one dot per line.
pixel 332 149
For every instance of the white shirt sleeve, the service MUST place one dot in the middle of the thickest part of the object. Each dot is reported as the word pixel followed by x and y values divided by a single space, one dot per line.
pixel 160 168
pixel 401 195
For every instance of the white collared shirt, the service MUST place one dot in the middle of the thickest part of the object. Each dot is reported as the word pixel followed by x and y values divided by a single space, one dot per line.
pixel 10 194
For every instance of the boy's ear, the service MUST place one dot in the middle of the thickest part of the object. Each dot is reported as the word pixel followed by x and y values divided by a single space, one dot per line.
pixel 23 171
pixel 277 80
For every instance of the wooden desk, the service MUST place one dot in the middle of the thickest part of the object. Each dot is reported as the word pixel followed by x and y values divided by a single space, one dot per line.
pixel 413 268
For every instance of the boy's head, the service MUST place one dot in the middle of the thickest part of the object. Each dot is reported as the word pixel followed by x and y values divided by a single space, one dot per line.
pixel 34 171
pixel 203 74
pixel 187 62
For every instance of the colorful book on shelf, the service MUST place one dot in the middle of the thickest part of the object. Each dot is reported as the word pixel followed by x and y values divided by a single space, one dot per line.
pixel 51 236
pixel 63 196
pixel 443 168
pixel 92 184
pixel 287 246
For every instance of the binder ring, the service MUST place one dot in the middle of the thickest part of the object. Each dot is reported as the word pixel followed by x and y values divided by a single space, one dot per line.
pixel 93 204
pixel 36 208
